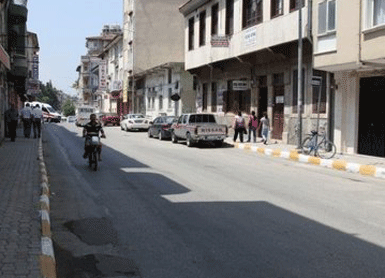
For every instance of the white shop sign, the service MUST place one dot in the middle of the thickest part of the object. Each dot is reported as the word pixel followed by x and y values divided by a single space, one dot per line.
pixel 241 85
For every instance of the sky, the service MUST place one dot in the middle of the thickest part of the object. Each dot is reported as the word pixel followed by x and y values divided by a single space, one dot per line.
pixel 62 28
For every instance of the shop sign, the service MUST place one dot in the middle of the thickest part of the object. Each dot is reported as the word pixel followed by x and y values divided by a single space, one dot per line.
pixel 316 81
pixel 103 75
pixel 279 99
pixel 219 41
pixel 241 85
pixel 125 90
pixel 250 36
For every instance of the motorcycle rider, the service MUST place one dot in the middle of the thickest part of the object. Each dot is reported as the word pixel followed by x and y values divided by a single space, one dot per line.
pixel 92 128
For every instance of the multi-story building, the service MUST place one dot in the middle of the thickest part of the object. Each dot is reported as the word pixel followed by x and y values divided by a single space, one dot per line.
pixel 111 96
pixel 168 90
pixel 244 54
pixel 349 38
pixel 89 86
pixel 32 51
pixel 13 60
pixel 152 36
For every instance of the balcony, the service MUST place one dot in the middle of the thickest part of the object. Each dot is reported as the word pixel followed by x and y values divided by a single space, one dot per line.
pixel 18 11
pixel 19 66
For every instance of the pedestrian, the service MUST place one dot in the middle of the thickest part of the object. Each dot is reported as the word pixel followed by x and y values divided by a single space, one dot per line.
pixel 253 126
pixel 37 117
pixel 11 118
pixel 265 124
pixel 239 127
pixel 26 116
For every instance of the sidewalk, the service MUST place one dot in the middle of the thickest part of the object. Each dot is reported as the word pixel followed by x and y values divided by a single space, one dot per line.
pixel 355 163
pixel 20 226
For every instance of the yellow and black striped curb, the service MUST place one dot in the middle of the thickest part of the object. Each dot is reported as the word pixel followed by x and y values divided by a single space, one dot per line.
pixel 293 155
pixel 47 257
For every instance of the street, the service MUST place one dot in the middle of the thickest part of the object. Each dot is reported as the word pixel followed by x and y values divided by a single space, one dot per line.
pixel 158 209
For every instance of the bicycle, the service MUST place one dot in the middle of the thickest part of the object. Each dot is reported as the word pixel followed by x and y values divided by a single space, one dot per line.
pixel 319 145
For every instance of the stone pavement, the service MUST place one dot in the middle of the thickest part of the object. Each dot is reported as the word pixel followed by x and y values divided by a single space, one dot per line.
pixel 20 226
pixel 354 163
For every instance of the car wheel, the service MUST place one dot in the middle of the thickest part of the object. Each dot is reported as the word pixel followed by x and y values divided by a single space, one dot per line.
pixel 161 136
pixel 174 139
pixel 190 141
pixel 149 134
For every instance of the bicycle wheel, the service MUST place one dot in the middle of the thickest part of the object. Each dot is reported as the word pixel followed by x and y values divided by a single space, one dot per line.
pixel 307 146
pixel 326 149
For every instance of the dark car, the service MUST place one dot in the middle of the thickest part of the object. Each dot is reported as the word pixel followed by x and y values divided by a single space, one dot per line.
pixel 160 127
pixel 109 118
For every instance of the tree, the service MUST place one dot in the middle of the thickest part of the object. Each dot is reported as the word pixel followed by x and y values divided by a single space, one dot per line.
pixel 68 108
pixel 49 94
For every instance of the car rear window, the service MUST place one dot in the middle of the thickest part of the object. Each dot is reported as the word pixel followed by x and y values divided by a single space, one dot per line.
pixel 202 118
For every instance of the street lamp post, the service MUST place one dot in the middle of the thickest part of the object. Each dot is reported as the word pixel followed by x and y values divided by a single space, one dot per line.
pixel 300 77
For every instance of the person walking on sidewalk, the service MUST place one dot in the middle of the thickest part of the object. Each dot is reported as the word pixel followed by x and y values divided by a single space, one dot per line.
pixel 11 118
pixel 265 127
pixel 37 116
pixel 26 116
pixel 239 127
pixel 253 126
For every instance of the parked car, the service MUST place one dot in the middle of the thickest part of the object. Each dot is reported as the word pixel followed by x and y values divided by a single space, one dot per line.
pixel 196 128
pixel 71 119
pixel 109 118
pixel 160 127
pixel 134 122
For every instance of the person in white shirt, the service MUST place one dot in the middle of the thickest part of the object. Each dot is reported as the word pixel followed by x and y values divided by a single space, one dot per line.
pixel 37 117
pixel 26 117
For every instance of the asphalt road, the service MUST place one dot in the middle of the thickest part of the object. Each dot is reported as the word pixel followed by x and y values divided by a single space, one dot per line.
pixel 158 209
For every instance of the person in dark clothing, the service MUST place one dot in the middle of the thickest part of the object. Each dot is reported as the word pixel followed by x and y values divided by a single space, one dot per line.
pixel 239 127
pixel 92 128
pixel 11 118
pixel 26 116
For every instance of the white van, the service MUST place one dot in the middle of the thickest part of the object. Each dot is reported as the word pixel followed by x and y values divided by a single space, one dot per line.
pixel 83 114
pixel 49 114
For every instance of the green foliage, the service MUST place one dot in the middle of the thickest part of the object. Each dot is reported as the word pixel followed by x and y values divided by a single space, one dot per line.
pixel 68 108
pixel 49 94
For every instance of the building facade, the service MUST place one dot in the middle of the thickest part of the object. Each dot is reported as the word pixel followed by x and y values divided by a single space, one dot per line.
pixel 91 83
pixel 32 51
pixel 13 56
pixel 244 54
pixel 348 42
pixel 152 36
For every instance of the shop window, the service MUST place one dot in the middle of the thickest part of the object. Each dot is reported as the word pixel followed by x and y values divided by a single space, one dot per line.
pixel 204 97
pixel 252 12
pixel 214 97
pixel 160 102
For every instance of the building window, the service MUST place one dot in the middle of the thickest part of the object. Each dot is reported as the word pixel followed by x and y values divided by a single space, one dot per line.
pixel 294 4
pixel 214 97
pixel 326 16
pixel 153 102
pixel 375 13
pixel 252 12
pixel 316 93
pixel 295 90
pixel 276 8
pixel 229 17
pixel 148 102
pixel 214 19
pixel 169 98
pixel 169 76
pixel 204 97
pixel 160 102
pixel 202 28
pixel 191 34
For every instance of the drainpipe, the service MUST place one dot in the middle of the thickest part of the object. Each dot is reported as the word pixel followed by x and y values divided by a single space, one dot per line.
pixel 299 87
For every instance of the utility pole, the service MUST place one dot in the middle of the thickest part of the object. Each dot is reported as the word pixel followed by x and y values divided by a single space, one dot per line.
pixel 300 77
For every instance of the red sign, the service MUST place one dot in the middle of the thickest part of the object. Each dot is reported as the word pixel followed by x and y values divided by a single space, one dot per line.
pixel 4 58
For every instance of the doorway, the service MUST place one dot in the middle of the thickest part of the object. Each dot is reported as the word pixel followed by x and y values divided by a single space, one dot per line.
pixel 262 99
pixel 371 131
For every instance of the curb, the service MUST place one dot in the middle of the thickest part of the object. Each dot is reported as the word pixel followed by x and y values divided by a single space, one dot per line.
pixel 293 155
pixel 47 258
